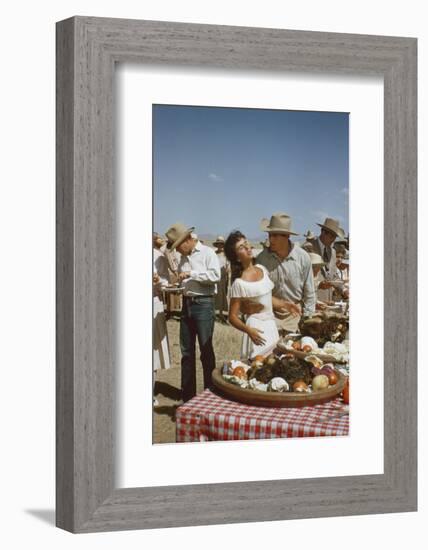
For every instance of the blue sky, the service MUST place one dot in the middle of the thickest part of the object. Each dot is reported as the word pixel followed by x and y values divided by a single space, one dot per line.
pixel 220 169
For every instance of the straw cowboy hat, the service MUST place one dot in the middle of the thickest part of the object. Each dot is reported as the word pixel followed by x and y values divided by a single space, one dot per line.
pixel 309 235
pixel 333 226
pixel 176 234
pixel 219 240
pixel 316 259
pixel 279 223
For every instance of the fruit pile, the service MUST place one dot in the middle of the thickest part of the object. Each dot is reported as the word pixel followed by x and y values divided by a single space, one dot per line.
pixel 282 373
pixel 325 327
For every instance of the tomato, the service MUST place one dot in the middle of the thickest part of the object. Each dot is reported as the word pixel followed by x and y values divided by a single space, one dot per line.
pixel 332 378
pixel 239 372
pixel 345 392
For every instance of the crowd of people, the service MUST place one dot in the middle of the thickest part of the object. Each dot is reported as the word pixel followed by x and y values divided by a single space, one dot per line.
pixel 264 294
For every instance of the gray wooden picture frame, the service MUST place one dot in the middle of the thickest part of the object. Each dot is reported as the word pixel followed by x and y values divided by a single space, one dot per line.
pixel 87 50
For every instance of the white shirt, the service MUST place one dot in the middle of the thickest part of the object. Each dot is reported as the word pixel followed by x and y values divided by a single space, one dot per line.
pixel 292 277
pixel 204 269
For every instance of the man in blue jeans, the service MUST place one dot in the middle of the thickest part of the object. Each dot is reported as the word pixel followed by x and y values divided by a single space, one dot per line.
pixel 198 273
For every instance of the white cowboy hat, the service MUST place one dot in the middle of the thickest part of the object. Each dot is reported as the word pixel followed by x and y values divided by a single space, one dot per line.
pixel 309 235
pixel 219 240
pixel 332 225
pixel 279 223
pixel 176 234
pixel 316 259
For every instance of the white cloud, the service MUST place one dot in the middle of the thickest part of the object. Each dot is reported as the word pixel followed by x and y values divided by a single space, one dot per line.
pixel 215 177
pixel 321 215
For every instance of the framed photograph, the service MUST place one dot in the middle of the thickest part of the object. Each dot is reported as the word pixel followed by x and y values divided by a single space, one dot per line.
pixel 264 302
pixel 233 144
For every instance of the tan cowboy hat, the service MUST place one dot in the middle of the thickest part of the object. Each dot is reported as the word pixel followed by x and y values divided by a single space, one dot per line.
pixel 333 226
pixel 219 240
pixel 309 235
pixel 316 259
pixel 279 223
pixel 176 234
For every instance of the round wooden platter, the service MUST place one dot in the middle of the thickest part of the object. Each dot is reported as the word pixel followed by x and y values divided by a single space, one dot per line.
pixel 276 399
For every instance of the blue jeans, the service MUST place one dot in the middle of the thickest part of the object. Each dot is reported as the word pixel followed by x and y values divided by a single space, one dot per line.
pixel 197 320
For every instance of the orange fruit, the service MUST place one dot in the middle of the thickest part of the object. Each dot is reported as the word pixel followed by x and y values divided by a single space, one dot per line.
pixel 345 392
pixel 239 372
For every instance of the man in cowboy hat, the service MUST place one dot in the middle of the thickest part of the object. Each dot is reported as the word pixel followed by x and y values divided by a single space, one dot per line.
pixel 289 268
pixel 323 296
pixel 323 245
pixel 198 272
pixel 221 304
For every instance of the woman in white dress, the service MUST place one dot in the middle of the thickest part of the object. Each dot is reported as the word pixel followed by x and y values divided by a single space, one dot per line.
pixel 161 358
pixel 251 282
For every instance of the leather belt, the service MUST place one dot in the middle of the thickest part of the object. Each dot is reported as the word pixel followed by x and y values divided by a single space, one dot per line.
pixel 201 297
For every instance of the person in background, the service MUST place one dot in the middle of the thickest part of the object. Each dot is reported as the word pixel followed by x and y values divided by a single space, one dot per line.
pixel 173 299
pixel 323 245
pixel 342 264
pixel 340 248
pixel 323 295
pixel 198 273
pixel 161 355
pixel 309 236
pixel 289 268
pixel 308 247
pixel 341 244
pixel 221 304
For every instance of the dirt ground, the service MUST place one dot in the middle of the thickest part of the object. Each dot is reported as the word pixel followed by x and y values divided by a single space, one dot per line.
pixel 227 345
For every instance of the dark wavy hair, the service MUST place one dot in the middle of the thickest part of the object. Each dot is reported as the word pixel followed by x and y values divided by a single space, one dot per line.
pixel 230 252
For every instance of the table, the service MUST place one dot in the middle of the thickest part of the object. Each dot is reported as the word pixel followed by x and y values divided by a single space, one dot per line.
pixel 211 417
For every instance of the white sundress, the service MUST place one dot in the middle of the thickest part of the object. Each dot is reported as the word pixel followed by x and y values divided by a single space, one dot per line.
pixel 161 356
pixel 261 292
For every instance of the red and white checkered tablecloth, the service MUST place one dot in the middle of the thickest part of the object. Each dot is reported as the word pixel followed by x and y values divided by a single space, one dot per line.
pixel 209 417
